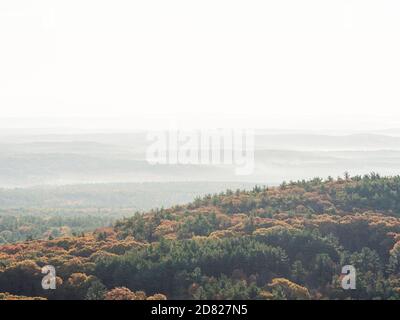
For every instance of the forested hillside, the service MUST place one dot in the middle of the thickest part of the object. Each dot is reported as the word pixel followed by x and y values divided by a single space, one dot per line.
pixel 54 211
pixel 288 242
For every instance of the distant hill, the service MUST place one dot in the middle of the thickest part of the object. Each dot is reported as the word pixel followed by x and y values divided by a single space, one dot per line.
pixel 30 160
pixel 313 142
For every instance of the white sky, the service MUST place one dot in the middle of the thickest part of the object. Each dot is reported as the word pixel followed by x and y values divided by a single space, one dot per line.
pixel 280 64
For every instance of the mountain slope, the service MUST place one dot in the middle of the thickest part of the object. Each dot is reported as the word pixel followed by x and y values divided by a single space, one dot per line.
pixel 288 242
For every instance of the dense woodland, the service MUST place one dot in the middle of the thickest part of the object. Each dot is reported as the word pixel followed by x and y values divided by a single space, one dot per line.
pixel 21 225
pixel 286 242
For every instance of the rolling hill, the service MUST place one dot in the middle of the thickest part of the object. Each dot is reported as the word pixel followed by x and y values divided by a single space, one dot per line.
pixel 286 242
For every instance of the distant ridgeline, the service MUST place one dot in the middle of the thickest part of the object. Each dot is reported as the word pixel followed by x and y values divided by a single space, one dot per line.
pixel 288 242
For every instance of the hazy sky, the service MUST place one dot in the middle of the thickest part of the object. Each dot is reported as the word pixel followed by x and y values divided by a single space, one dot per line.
pixel 285 63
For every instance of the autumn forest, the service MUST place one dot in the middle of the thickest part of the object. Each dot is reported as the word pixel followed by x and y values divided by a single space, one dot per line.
pixel 286 242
